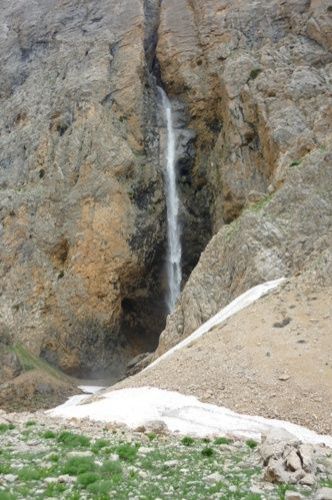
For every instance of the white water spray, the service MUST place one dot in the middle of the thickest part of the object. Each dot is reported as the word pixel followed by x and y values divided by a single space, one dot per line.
pixel 174 273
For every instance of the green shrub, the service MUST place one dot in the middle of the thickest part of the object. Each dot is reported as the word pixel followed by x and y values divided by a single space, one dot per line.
pixel 127 451
pixel 87 478
pixel 112 468
pixel 254 73
pixel 222 440
pixel 30 423
pixel 187 441
pixel 78 465
pixel 6 427
pixel 72 440
pixel 99 444
pixel 207 452
pixel 48 435
pixel 251 443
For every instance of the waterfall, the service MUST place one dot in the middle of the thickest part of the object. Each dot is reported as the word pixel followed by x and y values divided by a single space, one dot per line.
pixel 174 273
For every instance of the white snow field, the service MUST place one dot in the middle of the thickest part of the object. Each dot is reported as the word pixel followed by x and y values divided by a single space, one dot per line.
pixel 183 414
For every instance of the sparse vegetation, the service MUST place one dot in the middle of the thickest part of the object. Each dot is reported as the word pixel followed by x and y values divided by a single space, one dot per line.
pixel 251 443
pixel 222 440
pixel 254 73
pixel 187 441
pixel 296 163
pixel 69 465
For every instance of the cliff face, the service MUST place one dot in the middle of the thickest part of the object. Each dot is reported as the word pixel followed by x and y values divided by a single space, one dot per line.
pixel 257 79
pixel 82 204
pixel 82 210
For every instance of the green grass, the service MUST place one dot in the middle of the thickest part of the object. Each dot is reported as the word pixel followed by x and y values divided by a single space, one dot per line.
pixel 49 435
pixel 207 452
pixel 87 478
pixel 151 436
pixel 251 443
pixel 31 362
pixel 222 440
pixel 6 427
pixel 31 473
pixel 79 465
pixel 143 475
pixel 72 440
pixel 99 444
pixel 30 423
pixel 188 441
pixel 127 451
pixel 257 207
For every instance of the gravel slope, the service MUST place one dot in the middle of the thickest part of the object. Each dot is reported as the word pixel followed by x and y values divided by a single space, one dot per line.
pixel 273 359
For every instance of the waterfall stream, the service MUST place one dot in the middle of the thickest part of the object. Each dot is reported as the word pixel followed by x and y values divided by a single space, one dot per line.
pixel 174 273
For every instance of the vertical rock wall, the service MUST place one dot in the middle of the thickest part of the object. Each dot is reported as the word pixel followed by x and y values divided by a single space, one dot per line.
pixel 81 208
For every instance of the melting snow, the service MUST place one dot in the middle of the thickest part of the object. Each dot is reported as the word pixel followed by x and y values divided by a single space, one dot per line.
pixel 91 389
pixel 182 414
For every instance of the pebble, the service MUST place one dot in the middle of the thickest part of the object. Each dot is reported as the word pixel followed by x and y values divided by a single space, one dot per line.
pixel 10 478
pixel 293 495
pixel 73 454
pixel 324 494
pixel 214 478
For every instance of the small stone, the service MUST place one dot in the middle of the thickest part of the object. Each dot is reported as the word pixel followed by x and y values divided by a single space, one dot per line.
pixel 156 426
pixel 50 480
pixel 10 478
pixel 275 472
pixel 308 480
pixel 214 478
pixel 143 474
pixel 306 454
pixel 324 494
pixel 284 377
pixel 255 490
pixel 293 495
pixel 293 461
pixel 73 454
pixel 171 463
pixel 65 478
pixel 143 450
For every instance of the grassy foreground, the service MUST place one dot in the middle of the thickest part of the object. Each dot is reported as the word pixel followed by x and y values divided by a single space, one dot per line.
pixel 39 462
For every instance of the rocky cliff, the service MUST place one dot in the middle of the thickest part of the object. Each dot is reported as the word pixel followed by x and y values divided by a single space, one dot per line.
pixel 82 208
pixel 257 79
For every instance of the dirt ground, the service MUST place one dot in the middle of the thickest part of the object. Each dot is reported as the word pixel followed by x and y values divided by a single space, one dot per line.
pixel 272 359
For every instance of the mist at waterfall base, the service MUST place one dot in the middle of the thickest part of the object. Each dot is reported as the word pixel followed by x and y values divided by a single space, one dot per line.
pixel 174 272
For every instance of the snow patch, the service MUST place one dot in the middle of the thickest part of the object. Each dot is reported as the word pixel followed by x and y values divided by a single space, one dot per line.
pixel 91 389
pixel 182 414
